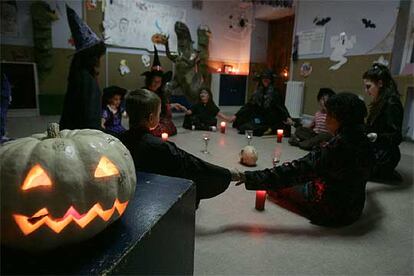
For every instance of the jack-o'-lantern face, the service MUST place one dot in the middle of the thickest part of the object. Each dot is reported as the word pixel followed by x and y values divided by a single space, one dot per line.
pixel 70 187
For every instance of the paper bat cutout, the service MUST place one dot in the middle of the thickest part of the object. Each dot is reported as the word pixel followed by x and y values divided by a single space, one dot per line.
pixel 368 23
pixel 321 21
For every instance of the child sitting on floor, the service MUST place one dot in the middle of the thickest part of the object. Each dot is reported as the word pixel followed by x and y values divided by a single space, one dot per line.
pixel 112 110
pixel 151 154
pixel 202 115
pixel 328 184
pixel 308 137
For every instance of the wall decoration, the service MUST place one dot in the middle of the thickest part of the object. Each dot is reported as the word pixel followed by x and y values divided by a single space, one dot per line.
pixel 381 60
pixel 123 67
pixel 368 23
pixel 341 44
pixel 305 69
pixel 124 20
pixel 146 60
pixel 197 4
pixel 9 26
pixel 311 41
pixel 68 186
pixel 42 18
pixel 321 21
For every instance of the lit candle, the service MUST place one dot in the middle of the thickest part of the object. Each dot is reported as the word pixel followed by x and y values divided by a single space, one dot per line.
pixel 223 127
pixel 260 200
pixel 164 136
pixel 219 70
pixel 279 135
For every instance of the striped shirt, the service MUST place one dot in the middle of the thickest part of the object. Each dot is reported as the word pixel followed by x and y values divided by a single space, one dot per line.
pixel 319 122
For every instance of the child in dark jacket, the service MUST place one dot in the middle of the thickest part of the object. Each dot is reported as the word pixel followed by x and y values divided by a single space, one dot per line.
pixel 151 154
pixel 328 184
pixel 203 115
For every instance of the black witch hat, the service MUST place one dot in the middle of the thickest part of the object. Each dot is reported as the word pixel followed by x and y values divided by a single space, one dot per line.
pixel 157 70
pixel 82 35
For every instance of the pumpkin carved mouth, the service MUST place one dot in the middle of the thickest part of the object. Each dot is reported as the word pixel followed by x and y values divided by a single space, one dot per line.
pixel 29 224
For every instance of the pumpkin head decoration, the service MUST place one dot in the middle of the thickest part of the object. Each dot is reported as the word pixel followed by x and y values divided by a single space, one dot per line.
pixel 248 156
pixel 159 38
pixel 62 187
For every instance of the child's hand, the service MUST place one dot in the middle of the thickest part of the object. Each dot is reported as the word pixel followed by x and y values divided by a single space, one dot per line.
pixel 289 121
pixel 188 112
pixel 238 176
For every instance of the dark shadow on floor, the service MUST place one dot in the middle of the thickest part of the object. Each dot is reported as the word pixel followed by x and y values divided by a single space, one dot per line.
pixel 370 219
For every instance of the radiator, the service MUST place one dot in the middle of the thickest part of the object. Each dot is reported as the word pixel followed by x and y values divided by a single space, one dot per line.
pixel 294 98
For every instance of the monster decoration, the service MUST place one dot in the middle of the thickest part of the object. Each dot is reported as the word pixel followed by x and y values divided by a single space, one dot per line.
pixel 62 187
pixel 42 18
pixel 191 64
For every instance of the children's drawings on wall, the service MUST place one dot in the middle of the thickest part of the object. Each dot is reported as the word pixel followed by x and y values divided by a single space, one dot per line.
pixel 131 23
pixel 341 44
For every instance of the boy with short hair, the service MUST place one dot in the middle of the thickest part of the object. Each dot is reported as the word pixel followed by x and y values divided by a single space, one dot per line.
pixel 153 155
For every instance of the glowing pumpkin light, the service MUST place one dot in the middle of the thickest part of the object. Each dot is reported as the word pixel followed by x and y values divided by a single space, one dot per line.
pixel 62 187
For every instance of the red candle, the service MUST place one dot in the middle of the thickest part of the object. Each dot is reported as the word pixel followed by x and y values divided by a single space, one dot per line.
pixel 223 127
pixel 260 200
pixel 279 135
pixel 164 136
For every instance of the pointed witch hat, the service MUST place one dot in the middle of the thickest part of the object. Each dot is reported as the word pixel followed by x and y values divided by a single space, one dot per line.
pixel 82 35
pixel 157 70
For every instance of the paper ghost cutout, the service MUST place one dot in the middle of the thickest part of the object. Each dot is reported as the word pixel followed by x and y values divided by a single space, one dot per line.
pixel 146 60
pixel 341 44
pixel 123 67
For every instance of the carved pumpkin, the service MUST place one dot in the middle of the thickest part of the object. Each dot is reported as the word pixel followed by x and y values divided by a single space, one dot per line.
pixel 248 156
pixel 62 187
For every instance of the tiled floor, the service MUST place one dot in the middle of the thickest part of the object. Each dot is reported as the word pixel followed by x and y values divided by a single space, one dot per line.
pixel 233 238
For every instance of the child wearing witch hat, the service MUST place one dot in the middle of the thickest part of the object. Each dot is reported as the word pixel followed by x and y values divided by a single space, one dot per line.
pixel 155 80
pixel 82 104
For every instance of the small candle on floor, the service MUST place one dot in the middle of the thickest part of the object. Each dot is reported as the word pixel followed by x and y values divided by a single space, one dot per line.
pixel 279 135
pixel 260 200
pixel 223 127
pixel 164 136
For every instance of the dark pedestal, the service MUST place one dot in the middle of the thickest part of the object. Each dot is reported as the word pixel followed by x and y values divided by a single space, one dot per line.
pixel 154 236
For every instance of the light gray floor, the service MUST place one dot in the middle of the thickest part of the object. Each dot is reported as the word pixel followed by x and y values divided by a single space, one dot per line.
pixel 232 238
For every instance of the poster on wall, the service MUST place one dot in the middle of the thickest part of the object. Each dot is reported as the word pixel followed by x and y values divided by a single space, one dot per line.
pixel 311 41
pixel 131 23
pixel 9 26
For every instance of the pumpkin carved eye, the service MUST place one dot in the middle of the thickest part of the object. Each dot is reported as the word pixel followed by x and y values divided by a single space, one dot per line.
pixel 105 168
pixel 36 177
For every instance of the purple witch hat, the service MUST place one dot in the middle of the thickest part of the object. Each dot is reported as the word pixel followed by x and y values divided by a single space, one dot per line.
pixel 157 70
pixel 82 35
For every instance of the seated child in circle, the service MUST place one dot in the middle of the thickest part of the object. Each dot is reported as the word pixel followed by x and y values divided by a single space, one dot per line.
pixel 112 110
pixel 203 115
pixel 328 184
pixel 151 154
pixel 308 137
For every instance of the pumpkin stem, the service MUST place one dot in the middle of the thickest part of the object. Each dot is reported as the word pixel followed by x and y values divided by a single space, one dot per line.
pixel 53 130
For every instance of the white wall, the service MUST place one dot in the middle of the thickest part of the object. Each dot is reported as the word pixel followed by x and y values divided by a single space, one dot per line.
pixel 346 17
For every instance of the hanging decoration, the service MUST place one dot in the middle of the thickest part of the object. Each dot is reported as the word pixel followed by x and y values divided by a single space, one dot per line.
pixel 341 44
pixel 305 69
pixel 146 60
pixel 123 67
pixel 42 18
